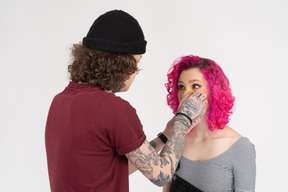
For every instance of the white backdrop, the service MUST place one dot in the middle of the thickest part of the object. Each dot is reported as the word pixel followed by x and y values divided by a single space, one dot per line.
pixel 248 38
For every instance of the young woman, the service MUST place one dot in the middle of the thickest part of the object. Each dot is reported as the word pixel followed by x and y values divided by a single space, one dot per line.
pixel 215 157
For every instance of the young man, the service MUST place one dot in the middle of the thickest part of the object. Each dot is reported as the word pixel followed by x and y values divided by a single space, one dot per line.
pixel 91 133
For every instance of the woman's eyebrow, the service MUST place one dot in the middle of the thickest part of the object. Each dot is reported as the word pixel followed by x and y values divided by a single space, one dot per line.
pixel 190 81
pixel 194 80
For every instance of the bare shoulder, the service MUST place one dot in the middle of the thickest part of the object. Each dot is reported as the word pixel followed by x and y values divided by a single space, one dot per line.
pixel 229 132
pixel 226 137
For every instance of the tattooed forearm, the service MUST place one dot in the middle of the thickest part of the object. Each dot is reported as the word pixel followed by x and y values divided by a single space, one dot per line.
pixel 156 168
pixel 184 120
pixel 164 161
pixel 141 159
pixel 172 168
pixel 157 144
pixel 161 179
pixel 159 169
pixel 155 159
pixel 176 145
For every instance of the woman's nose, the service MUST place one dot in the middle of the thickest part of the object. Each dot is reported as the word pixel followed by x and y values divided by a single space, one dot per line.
pixel 187 90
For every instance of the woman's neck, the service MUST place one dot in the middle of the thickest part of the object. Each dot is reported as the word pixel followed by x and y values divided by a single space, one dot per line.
pixel 202 131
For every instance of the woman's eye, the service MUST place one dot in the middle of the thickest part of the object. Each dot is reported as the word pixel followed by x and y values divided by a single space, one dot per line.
pixel 181 87
pixel 196 86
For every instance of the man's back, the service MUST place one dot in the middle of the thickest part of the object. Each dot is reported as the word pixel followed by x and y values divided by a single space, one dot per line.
pixel 88 131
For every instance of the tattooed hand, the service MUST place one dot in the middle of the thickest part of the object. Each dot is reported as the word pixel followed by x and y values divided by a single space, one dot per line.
pixel 193 106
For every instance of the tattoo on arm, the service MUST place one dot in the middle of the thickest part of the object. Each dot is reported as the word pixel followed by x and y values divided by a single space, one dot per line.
pixel 176 146
pixel 161 179
pixel 159 169
pixel 153 144
pixel 141 160
pixel 172 168
pixel 163 161
pixel 146 160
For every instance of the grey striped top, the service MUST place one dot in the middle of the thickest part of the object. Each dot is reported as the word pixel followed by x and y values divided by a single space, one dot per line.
pixel 233 170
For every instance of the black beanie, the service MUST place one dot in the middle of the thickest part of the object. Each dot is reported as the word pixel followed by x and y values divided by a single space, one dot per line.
pixel 118 32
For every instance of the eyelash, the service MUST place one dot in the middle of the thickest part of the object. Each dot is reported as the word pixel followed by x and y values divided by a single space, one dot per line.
pixel 181 87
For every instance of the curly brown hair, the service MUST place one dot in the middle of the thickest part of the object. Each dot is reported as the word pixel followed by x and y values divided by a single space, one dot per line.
pixel 107 70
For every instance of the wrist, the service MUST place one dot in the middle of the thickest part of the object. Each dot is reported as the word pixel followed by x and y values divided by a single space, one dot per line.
pixel 184 115
pixel 166 133
pixel 182 120
pixel 162 137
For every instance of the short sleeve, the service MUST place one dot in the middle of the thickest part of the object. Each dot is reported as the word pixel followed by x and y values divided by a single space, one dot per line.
pixel 245 167
pixel 122 124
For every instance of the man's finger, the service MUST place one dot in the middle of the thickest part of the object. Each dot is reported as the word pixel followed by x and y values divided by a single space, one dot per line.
pixel 202 97
pixel 187 95
pixel 196 94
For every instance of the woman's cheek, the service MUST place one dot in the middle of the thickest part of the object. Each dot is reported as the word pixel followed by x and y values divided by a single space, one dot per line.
pixel 179 96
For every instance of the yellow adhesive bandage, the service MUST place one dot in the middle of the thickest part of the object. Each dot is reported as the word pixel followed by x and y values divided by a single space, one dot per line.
pixel 188 90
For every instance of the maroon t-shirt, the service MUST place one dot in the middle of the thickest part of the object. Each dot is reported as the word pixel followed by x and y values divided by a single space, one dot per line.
pixel 88 133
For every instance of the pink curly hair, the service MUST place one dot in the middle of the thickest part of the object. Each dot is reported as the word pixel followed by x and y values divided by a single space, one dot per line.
pixel 221 100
